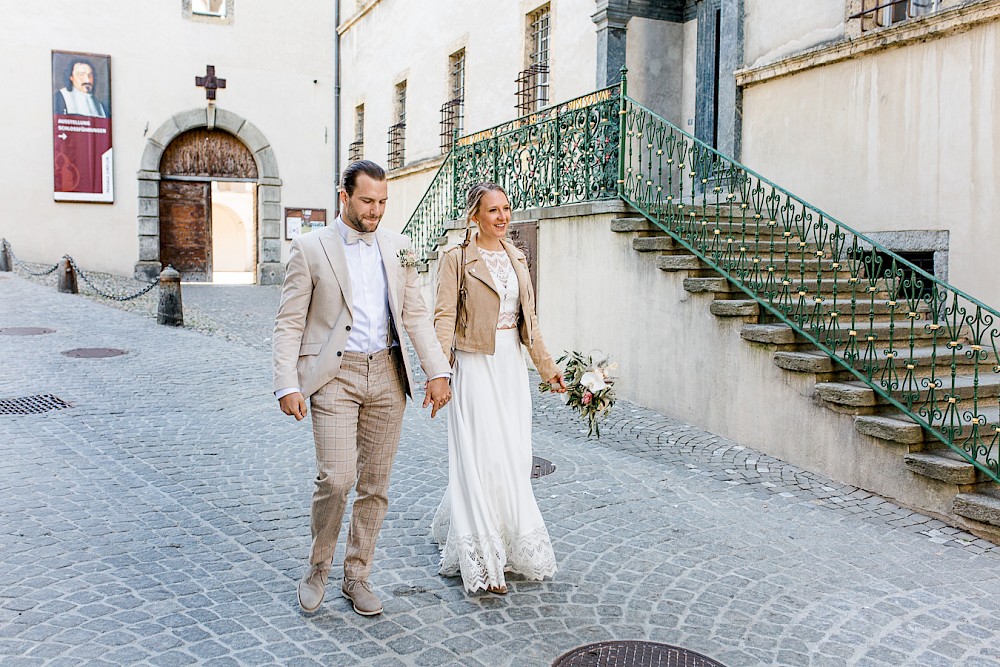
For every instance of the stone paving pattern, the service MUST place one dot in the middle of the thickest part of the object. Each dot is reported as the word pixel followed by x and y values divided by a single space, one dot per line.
pixel 163 520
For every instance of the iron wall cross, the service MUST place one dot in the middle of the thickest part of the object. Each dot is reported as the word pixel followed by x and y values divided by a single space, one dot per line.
pixel 210 82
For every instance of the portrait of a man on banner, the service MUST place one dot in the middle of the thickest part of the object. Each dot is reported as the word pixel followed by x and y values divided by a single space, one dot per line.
pixel 81 127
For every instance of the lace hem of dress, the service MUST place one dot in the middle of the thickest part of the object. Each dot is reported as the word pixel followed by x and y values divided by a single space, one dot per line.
pixel 481 560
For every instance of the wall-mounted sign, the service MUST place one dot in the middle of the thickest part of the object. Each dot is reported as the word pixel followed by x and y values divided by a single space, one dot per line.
pixel 303 220
pixel 81 127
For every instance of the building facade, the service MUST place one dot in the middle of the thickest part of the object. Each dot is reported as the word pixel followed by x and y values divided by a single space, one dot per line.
pixel 220 120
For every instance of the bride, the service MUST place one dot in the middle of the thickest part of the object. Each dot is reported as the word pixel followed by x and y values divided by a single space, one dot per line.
pixel 488 522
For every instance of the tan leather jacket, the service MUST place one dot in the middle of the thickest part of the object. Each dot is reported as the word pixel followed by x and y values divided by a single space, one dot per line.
pixel 477 323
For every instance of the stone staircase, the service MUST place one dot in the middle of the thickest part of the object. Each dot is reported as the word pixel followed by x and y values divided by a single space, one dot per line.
pixel 976 499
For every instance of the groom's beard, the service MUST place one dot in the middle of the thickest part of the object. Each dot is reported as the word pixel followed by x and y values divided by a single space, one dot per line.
pixel 353 219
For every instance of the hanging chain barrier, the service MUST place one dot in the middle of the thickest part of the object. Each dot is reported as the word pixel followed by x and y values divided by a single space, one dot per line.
pixel 926 349
pixel 22 266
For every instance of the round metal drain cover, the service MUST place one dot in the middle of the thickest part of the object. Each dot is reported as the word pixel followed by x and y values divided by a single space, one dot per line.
pixel 94 352
pixel 541 467
pixel 25 331
pixel 633 654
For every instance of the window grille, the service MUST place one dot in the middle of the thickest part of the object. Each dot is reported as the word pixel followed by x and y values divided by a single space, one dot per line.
pixel 533 82
pixel 453 111
pixel 876 14
pixel 397 132
pixel 356 151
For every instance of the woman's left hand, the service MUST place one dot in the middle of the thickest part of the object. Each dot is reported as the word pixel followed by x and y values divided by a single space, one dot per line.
pixel 557 384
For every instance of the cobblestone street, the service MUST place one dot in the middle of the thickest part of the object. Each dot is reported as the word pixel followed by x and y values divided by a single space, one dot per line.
pixel 163 520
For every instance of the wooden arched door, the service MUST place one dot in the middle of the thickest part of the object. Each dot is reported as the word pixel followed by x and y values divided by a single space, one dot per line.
pixel 189 165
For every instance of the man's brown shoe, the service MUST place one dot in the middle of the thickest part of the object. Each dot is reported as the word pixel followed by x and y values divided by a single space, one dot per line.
pixel 360 594
pixel 312 587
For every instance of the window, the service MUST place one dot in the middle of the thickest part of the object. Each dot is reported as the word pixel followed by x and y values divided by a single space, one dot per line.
pixel 397 131
pixel 356 151
pixel 877 14
pixel 215 8
pixel 533 82
pixel 452 111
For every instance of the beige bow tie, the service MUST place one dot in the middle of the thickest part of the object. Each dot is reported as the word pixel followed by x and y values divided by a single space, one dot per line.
pixel 353 236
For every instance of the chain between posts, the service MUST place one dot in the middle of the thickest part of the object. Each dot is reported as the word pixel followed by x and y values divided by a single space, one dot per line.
pixel 5 245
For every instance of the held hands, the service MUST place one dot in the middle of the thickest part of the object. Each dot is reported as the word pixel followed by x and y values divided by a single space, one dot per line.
pixel 294 404
pixel 436 394
pixel 557 384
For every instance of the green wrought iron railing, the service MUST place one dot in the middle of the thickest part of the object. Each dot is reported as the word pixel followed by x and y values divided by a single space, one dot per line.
pixel 565 154
pixel 925 348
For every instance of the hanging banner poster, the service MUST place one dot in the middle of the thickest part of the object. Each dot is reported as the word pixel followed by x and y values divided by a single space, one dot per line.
pixel 81 127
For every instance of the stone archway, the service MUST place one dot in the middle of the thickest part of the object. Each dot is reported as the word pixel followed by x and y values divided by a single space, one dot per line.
pixel 269 269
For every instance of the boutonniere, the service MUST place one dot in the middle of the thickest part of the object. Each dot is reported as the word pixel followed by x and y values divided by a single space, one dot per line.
pixel 407 257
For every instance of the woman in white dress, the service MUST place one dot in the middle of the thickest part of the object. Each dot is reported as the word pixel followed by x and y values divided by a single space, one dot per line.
pixel 488 522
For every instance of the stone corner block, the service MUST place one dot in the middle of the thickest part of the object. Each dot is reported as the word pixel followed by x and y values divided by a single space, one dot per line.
pixel 149 249
pixel 147 271
pixel 267 163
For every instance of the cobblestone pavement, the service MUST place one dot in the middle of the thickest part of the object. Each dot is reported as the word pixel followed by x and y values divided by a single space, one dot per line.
pixel 162 520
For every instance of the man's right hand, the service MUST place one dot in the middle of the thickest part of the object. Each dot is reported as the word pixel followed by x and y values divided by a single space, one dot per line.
pixel 294 404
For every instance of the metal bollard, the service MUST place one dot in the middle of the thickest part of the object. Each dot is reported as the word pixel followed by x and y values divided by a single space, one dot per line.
pixel 67 277
pixel 6 263
pixel 170 311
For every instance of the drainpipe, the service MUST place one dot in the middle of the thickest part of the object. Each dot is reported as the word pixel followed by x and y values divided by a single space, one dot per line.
pixel 336 104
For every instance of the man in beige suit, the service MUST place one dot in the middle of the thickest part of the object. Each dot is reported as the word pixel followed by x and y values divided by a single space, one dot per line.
pixel 347 288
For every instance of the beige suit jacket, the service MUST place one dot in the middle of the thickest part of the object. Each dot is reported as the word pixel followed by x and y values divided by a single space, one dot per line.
pixel 314 319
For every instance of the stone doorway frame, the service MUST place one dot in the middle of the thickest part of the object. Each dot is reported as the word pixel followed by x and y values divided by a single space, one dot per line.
pixel 269 269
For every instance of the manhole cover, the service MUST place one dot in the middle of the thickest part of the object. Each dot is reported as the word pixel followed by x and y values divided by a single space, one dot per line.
pixel 32 405
pixel 94 352
pixel 25 331
pixel 633 654
pixel 541 467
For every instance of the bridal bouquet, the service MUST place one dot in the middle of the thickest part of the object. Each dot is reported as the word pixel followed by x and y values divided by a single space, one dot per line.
pixel 589 387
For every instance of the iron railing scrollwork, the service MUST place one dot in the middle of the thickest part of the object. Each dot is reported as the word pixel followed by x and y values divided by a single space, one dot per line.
pixel 926 348
pixel 565 154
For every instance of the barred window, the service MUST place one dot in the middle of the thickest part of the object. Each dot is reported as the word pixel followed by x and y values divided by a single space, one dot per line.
pixel 453 110
pixel 356 151
pixel 397 132
pixel 533 81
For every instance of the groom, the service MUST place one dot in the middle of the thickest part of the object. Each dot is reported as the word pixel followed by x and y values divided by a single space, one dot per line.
pixel 347 288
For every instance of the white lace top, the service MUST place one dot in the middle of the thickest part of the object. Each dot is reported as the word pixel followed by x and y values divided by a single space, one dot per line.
pixel 502 272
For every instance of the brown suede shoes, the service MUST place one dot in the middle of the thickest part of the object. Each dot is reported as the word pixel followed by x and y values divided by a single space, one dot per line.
pixel 360 594
pixel 312 587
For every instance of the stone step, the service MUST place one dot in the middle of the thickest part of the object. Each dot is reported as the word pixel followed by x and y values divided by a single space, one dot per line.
pixel 701 285
pixel 804 362
pixel 735 308
pixel 942 464
pixel 983 506
pixel 811 287
pixel 773 334
pixel 879 331
pixel 892 428
pixel 655 244
pixel 633 224
pixel 858 394
pixel 680 263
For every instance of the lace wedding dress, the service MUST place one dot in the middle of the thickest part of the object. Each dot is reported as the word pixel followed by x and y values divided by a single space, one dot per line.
pixel 488 522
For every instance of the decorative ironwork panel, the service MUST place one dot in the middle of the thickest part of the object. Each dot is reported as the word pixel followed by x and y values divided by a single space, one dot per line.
pixel 355 151
pixel 451 122
pixel 565 154
pixel 924 347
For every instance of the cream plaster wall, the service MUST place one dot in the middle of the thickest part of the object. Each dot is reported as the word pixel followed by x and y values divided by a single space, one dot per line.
pixel 902 139
pixel 268 55
pixel 777 28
